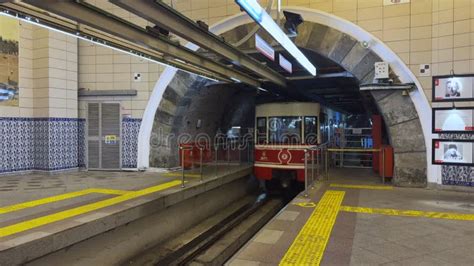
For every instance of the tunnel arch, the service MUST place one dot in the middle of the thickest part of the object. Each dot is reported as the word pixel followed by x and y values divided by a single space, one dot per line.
pixel 407 118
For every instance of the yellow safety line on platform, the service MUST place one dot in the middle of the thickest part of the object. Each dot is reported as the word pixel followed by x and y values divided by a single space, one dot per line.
pixel 411 213
pixel 308 247
pixel 70 195
pixel 362 186
pixel 55 217
pixel 180 174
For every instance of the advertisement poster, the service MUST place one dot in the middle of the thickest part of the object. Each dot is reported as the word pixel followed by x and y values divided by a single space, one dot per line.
pixel 9 35
pixel 452 152
pixel 453 120
pixel 453 88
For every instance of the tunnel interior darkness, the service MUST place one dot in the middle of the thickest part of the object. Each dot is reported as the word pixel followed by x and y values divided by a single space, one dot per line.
pixel 343 64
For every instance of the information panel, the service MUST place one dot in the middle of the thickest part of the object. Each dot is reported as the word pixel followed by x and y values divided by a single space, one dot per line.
pixel 453 120
pixel 453 88
pixel 452 152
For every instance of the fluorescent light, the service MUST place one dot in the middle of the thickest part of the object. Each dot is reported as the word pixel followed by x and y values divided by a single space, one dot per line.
pixel 266 21
pixel 262 89
pixel 236 80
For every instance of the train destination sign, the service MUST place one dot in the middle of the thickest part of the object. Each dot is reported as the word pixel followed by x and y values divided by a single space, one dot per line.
pixel 453 88
pixel 453 120
pixel 452 152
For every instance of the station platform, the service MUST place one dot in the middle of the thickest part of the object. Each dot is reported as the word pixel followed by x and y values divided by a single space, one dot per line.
pixel 44 213
pixel 353 219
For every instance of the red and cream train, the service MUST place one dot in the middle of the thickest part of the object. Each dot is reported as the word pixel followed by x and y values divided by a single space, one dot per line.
pixel 283 131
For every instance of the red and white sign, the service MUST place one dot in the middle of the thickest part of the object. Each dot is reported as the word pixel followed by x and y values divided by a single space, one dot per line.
pixel 285 64
pixel 264 47
pixel 453 152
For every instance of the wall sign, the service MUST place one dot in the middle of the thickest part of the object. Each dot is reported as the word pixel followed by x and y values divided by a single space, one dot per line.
pixel 453 88
pixel 452 152
pixel 453 120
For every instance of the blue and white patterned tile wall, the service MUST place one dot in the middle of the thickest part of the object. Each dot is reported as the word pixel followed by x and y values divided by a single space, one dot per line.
pixel 457 175
pixel 38 144
pixel 82 143
pixel 130 130
pixel 17 149
pixel 55 143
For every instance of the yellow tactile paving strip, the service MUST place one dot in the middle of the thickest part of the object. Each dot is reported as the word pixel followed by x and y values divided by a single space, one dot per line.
pixel 411 213
pixel 308 247
pixel 35 203
pixel 395 212
pixel 362 186
pixel 55 217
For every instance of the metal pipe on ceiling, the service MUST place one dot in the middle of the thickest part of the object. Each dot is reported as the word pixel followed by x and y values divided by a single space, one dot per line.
pixel 117 30
pixel 162 15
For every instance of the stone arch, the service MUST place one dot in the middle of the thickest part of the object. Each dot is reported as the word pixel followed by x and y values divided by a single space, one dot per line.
pixel 338 40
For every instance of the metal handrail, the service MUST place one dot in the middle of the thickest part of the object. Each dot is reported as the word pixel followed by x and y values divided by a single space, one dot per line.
pixel 310 152
pixel 352 150
pixel 227 146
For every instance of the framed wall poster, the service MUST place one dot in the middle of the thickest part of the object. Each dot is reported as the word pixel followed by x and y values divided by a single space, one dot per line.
pixel 9 35
pixel 453 120
pixel 453 88
pixel 452 152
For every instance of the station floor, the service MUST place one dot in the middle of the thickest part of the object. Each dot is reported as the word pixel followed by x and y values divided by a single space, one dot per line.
pixel 353 219
pixel 39 203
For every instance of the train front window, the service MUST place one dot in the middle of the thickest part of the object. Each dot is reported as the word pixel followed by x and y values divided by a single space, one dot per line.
pixel 311 130
pixel 261 130
pixel 285 130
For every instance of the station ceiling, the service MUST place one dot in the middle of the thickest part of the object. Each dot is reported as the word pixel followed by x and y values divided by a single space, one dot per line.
pixel 333 85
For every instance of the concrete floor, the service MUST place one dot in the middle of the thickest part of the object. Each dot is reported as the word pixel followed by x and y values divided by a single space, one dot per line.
pixel 373 239
pixel 17 189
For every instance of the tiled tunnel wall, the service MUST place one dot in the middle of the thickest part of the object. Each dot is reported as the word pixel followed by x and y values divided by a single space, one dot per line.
pixel 186 100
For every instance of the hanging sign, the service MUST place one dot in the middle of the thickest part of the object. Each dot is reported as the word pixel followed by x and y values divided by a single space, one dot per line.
pixel 285 64
pixel 452 152
pixel 264 47
pixel 453 88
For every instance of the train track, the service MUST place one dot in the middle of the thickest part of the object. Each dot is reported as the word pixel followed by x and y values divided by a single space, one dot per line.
pixel 213 243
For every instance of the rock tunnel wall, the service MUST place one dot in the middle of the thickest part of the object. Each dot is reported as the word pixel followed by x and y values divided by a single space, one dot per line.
pixel 187 99
pixel 181 105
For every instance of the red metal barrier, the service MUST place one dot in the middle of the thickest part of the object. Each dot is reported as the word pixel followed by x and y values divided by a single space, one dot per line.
pixel 389 163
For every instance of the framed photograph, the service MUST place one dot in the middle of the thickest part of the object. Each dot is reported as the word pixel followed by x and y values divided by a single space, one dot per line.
pixel 453 120
pixel 9 67
pixel 453 88
pixel 452 152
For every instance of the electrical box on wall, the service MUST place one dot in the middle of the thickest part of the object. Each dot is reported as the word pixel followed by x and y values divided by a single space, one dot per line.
pixel 381 70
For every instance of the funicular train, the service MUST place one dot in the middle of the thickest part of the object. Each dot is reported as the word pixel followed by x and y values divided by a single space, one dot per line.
pixel 283 131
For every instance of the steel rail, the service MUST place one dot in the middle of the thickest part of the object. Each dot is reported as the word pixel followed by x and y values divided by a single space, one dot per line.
pixel 165 17
pixel 172 53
